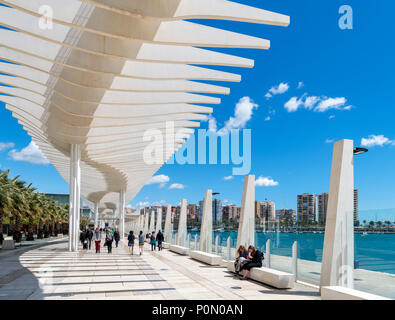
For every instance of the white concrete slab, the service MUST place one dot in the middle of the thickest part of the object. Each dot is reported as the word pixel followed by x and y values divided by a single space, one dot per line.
pixel 344 293
pixel 275 278
pixel 179 249
pixel 208 258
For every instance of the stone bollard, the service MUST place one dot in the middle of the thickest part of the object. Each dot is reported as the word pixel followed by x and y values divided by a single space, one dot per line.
pixel 195 242
pixel 228 249
pixel 295 259
pixel 267 258
pixel 216 244
pixel 8 244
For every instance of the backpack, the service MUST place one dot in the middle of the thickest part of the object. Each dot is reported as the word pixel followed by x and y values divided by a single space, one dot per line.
pixel 261 256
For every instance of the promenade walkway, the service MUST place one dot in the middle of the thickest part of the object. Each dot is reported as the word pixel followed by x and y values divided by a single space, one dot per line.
pixel 51 272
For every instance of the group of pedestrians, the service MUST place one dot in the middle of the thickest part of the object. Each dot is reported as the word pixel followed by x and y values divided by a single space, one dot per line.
pixel 111 235
pixel 155 240
pixel 247 259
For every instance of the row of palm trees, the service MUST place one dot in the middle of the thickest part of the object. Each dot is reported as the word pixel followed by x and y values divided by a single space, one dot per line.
pixel 24 208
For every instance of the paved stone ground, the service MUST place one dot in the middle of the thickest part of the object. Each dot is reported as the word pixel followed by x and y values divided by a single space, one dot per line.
pixel 51 272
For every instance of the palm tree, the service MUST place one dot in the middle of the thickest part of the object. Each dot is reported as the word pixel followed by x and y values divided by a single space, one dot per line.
pixel 5 200
pixel 20 203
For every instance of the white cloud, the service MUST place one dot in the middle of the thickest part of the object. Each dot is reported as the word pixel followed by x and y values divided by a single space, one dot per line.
pixel 242 114
pixel 300 84
pixel 176 186
pixel 324 104
pixel 375 140
pixel 268 118
pixel 159 179
pixel 212 123
pixel 310 102
pixel 142 204
pixel 332 117
pixel 329 140
pixel 6 145
pixel 331 103
pixel 265 182
pixel 280 89
pixel 30 154
pixel 293 104
pixel 228 178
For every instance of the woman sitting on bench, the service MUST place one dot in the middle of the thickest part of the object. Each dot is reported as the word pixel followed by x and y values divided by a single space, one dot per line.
pixel 255 258
pixel 242 254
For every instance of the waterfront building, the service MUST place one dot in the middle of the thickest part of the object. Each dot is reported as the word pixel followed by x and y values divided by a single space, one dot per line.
pixel 257 209
pixel 192 212
pixel 286 215
pixel 231 212
pixel 268 211
pixel 217 210
pixel 225 213
pixel 307 208
pixel 265 210
pixel 64 199
pixel 322 207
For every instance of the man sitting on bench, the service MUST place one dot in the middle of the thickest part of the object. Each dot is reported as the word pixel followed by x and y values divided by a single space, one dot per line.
pixel 254 260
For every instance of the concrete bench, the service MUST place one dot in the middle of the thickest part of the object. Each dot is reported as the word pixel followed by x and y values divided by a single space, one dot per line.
pixel 180 250
pixel 8 244
pixel 165 245
pixel 343 293
pixel 208 258
pixel 275 278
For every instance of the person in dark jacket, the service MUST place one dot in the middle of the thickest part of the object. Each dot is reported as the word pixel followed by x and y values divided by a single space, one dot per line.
pixel 109 240
pixel 159 239
pixel 84 239
pixel 117 237
pixel 131 239
pixel 254 260
pixel 89 236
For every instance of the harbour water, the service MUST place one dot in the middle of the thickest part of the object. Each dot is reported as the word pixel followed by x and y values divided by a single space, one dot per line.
pixel 374 252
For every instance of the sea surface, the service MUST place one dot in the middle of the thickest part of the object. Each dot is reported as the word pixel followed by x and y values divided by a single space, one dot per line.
pixel 375 252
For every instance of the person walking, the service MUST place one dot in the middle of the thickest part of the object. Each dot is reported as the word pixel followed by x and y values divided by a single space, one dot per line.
pixel 117 237
pixel 141 242
pixel 153 241
pixel 84 240
pixel 97 238
pixel 109 240
pixel 131 239
pixel 89 235
pixel 159 239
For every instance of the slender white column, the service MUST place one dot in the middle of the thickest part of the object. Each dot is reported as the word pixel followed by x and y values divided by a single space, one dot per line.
pixel 121 210
pixel 146 223
pixel 168 226
pixel 75 195
pixel 152 222
pixel 159 220
pixel 96 215
pixel 182 224
pixel 206 229
pixel 246 232
pixel 337 266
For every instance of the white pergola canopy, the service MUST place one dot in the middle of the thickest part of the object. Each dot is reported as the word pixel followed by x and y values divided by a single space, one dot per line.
pixel 107 71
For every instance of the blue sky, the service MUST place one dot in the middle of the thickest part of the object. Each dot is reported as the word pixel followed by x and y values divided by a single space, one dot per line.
pixel 355 67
